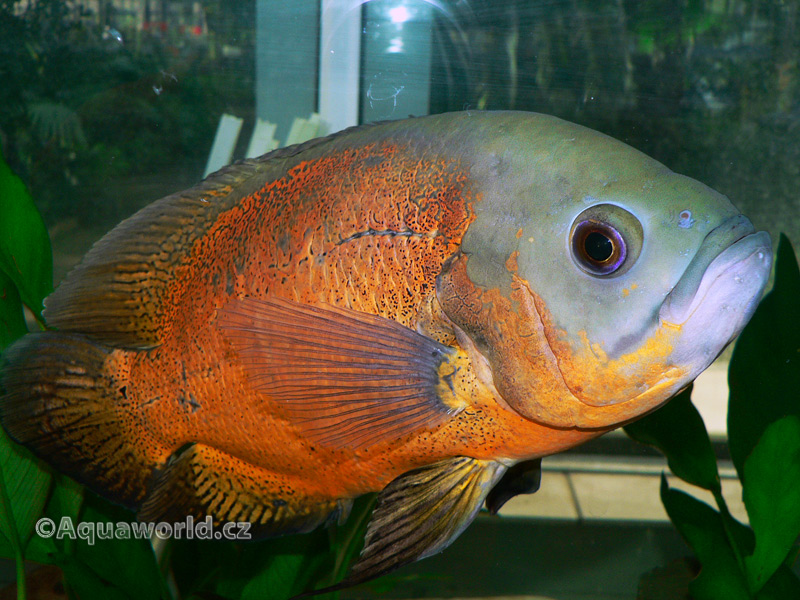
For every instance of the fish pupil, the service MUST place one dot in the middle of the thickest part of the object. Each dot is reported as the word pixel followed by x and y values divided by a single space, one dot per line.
pixel 598 247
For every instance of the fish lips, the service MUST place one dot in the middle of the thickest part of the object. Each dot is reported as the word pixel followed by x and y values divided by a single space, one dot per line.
pixel 718 292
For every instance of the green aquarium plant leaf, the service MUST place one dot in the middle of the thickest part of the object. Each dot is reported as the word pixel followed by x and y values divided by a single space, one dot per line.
pixel 66 498
pixel 772 498
pixel 347 540
pixel 6 548
pixel 12 319
pixel 783 585
pixel 284 576
pixel 43 550
pixel 24 486
pixel 678 431
pixel 764 372
pixel 25 254
pixel 84 582
pixel 23 491
pixel 26 276
pixel 125 561
pixel 275 568
pixel 704 530
pixel 99 554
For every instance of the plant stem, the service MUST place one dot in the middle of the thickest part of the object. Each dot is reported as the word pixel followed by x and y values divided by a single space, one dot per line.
pixel 348 541
pixel 727 519
pixel 20 560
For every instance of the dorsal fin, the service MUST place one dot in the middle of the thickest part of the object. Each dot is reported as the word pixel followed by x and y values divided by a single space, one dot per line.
pixel 116 294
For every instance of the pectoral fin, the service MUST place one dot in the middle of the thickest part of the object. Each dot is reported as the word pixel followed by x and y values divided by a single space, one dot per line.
pixel 346 378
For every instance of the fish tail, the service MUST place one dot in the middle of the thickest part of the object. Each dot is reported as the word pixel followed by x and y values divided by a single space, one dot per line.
pixel 63 396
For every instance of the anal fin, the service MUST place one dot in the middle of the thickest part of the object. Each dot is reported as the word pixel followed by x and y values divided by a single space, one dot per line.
pixel 202 481
pixel 345 378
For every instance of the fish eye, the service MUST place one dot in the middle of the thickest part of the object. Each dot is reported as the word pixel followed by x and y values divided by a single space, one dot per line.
pixel 598 247
pixel 605 240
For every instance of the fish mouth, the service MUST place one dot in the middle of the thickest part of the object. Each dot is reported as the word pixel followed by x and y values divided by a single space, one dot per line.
pixel 732 246
pixel 718 293
pixel 707 308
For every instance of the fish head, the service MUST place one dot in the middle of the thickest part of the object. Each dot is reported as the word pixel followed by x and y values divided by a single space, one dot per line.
pixel 594 283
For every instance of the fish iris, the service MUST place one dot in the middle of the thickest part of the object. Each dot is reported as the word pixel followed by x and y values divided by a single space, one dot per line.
pixel 598 248
pixel 605 240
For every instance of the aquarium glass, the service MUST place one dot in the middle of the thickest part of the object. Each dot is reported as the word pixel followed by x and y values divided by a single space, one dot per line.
pixel 107 105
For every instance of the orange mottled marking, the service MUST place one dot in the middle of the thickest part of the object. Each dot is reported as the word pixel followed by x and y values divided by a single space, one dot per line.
pixel 366 228
pixel 511 262
pixel 541 372
pixel 611 384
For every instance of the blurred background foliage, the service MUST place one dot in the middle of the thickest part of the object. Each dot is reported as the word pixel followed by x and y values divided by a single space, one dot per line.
pixel 99 106
pixel 105 110
pixel 708 87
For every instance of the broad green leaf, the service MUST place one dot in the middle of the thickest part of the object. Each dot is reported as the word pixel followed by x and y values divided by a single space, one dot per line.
pixel 25 484
pixel 127 565
pixel 764 372
pixel 66 498
pixel 12 320
pixel 702 528
pixel 25 254
pixel 6 548
pixel 197 564
pixel 772 497
pixel 678 431
pixel 783 585
pixel 43 550
pixel 286 575
pixel 231 569
pixel 275 568
pixel 85 582
pixel 99 568
pixel 347 540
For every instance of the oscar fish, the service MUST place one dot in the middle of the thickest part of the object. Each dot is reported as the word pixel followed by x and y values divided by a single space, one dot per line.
pixel 421 308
